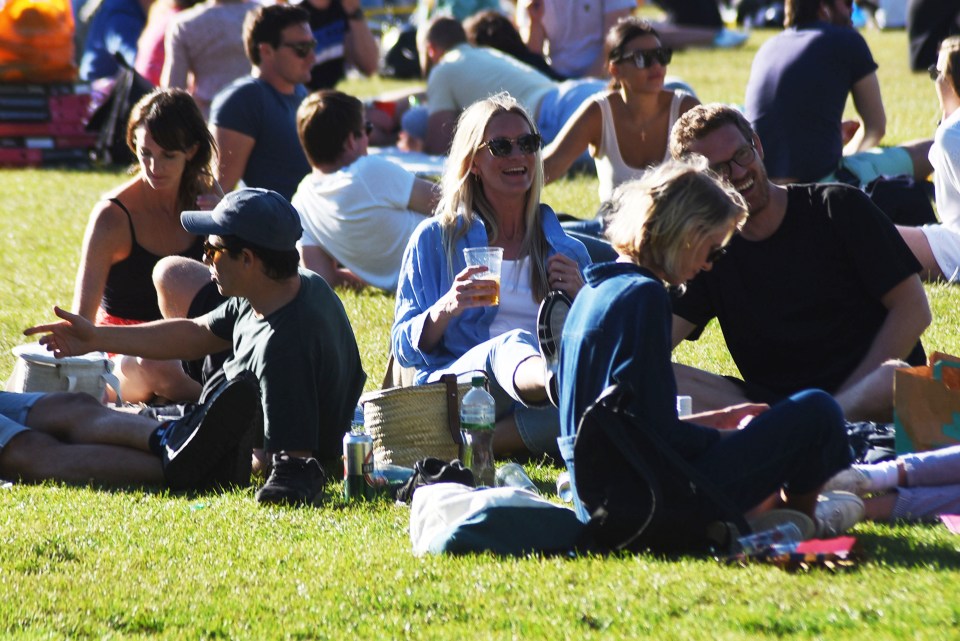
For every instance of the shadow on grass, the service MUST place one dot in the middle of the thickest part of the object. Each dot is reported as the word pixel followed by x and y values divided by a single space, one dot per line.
pixel 910 546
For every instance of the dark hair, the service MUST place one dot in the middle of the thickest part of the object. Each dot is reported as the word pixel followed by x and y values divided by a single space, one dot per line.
pixel 174 121
pixel 324 120
pixel 702 120
pixel 264 25
pixel 623 32
pixel 493 29
pixel 278 264
pixel 797 12
pixel 445 33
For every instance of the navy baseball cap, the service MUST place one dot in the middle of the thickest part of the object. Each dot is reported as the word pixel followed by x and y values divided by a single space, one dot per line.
pixel 259 216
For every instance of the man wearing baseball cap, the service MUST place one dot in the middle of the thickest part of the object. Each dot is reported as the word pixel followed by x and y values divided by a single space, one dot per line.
pixel 284 325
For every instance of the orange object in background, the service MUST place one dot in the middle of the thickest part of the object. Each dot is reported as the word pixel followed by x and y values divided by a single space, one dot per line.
pixel 36 41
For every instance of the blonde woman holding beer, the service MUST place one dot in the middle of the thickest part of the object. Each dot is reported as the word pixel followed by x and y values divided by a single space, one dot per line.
pixel 445 321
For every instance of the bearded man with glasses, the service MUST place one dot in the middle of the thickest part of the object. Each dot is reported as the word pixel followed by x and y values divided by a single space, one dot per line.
pixel 817 291
pixel 254 119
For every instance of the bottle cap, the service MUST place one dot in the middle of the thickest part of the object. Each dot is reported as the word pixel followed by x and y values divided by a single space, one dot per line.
pixel 478 381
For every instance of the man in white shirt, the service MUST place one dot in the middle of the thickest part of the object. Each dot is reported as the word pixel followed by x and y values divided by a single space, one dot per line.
pixel 357 210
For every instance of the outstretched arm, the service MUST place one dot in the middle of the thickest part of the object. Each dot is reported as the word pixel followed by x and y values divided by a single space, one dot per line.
pixel 160 340
pixel 908 315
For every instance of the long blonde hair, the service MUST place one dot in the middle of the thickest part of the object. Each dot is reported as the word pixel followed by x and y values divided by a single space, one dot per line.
pixel 462 196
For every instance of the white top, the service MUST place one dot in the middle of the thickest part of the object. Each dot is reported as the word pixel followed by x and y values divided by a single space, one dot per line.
pixel 944 239
pixel 359 216
pixel 575 32
pixel 467 74
pixel 611 168
pixel 517 307
pixel 945 157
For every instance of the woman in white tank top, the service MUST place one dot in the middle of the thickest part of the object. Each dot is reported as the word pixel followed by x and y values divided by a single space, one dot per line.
pixel 628 127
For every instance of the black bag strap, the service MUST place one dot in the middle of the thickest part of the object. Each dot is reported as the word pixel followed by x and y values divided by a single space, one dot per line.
pixel 617 434
pixel 453 407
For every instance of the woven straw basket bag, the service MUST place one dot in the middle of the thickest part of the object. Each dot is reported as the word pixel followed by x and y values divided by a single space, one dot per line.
pixel 411 423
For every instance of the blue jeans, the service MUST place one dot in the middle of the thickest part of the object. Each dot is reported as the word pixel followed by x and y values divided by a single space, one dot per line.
pixel 797 444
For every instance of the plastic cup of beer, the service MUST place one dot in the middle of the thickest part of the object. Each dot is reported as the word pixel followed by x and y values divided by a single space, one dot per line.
pixel 491 258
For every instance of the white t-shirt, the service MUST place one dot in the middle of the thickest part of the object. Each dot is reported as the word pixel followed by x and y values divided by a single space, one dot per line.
pixel 575 32
pixel 944 155
pixel 359 216
pixel 517 308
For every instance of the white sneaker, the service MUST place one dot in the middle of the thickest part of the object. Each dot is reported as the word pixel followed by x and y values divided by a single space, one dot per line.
pixel 837 512
pixel 852 479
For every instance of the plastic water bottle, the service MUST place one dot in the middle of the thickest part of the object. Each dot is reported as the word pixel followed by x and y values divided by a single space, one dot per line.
pixel 477 420
pixel 782 539
pixel 513 475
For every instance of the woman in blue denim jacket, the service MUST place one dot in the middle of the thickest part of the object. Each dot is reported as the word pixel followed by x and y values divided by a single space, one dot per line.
pixel 443 322
pixel 668 226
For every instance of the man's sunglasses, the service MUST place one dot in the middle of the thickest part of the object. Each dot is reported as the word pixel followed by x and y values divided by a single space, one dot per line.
pixel 644 58
pixel 210 251
pixel 368 127
pixel 933 71
pixel 301 49
pixel 743 157
pixel 502 147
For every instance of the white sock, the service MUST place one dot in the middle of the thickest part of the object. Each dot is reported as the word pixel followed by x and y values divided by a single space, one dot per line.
pixel 883 476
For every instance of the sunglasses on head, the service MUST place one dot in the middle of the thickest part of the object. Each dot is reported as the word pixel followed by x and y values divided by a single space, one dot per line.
pixel 644 58
pixel 933 71
pixel 301 49
pixel 500 147
pixel 743 157
pixel 211 251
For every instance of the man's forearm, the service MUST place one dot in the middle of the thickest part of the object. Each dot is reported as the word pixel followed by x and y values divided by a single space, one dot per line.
pixel 177 338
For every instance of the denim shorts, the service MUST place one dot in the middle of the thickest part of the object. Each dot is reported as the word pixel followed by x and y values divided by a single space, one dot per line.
pixel 14 408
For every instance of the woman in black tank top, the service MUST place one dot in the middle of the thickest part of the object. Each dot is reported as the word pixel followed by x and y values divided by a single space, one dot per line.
pixel 138 224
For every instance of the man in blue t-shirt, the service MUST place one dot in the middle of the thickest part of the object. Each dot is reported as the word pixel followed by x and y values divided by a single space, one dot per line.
pixel 796 94
pixel 254 119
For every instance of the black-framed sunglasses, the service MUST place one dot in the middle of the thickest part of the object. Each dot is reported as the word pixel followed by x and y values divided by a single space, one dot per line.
pixel 301 49
pixel 502 147
pixel 644 58
pixel 716 254
pixel 211 251
pixel 743 157
pixel 368 127
pixel 933 71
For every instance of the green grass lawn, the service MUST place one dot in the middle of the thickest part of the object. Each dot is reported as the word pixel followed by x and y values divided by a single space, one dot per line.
pixel 82 563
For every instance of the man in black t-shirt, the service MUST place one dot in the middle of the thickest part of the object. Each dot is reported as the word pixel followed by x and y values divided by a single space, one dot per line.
pixel 817 291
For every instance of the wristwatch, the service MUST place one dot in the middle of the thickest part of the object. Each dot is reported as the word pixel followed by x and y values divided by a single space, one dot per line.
pixel 356 15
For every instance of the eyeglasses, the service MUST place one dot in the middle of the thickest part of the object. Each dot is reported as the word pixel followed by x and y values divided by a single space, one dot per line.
pixel 933 71
pixel 501 147
pixel 644 58
pixel 716 254
pixel 368 127
pixel 743 157
pixel 210 252
pixel 301 49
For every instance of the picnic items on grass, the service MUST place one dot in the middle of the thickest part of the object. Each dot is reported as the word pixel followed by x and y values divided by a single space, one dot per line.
pixel 37 370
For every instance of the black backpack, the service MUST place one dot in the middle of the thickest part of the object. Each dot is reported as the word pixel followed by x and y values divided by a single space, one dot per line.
pixel 641 495
pixel 399 57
